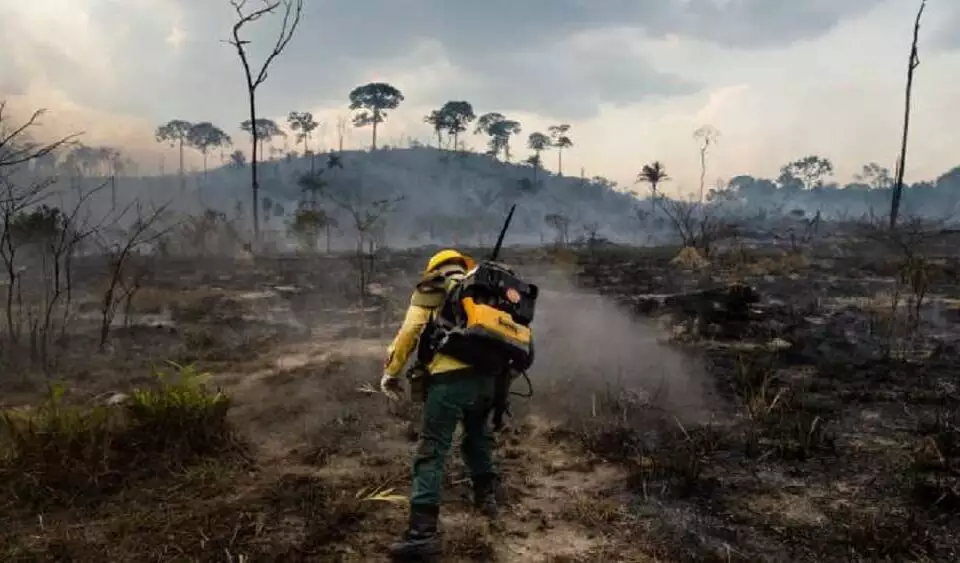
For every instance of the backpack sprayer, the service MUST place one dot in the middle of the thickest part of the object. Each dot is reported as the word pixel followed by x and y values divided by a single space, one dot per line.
pixel 484 321
pixel 503 232
pixel 515 300
pixel 530 303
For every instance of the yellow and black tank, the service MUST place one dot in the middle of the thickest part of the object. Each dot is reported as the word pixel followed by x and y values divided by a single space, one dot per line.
pixel 485 319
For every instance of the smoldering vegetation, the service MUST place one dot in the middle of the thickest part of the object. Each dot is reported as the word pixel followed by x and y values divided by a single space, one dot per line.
pixel 763 386
pixel 682 405
pixel 423 196
pixel 592 354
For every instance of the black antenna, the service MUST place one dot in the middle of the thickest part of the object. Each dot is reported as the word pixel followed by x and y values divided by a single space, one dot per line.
pixel 503 232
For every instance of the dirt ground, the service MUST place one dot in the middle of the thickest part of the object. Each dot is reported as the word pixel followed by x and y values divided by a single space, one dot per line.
pixel 765 409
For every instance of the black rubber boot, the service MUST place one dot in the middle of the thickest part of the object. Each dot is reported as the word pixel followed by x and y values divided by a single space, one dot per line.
pixel 422 539
pixel 485 496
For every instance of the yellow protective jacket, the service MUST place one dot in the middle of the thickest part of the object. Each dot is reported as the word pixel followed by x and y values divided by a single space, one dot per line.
pixel 425 300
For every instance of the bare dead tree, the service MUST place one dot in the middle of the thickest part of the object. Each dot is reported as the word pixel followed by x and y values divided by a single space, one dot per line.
pixel 341 132
pixel 292 10
pixel 591 238
pixel 13 203
pixel 912 65
pixel 916 243
pixel 37 246
pixel 118 245
pixel 366 217
pixel 205 234
pixel 16 147
pixel 367 212
pixel 706 135
pixel 698 225
pixel 798 230
pixel 561 224
pixel 48 235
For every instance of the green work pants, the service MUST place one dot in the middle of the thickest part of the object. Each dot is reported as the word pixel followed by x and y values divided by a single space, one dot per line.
pixel 463 396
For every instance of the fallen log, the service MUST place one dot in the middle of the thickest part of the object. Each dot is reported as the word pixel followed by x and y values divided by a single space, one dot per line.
pixel 728 308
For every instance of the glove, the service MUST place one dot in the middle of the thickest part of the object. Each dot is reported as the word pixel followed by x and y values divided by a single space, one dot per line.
pixel 390 385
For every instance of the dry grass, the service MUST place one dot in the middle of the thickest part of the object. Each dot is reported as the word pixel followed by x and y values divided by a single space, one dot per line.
pixel 786 469
pixel 155 300
pixel 785 264
pixel 164 476
pixel 471 541
pixel 690 258
pixel 596 513
pixel 210 513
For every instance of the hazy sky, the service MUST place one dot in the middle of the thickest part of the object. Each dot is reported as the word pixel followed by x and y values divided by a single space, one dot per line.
pixel 779 78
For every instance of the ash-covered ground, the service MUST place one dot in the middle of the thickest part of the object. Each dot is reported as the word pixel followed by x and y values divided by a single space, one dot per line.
pixel 760 405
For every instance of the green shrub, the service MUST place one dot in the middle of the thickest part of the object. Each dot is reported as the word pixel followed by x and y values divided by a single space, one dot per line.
pixel 59 452
pixel 56 447
pixel 179 417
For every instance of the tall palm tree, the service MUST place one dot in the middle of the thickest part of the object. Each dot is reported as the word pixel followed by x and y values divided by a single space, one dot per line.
pixel 653 174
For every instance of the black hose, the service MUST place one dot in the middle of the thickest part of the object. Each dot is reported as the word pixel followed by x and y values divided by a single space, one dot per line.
pixel 529 388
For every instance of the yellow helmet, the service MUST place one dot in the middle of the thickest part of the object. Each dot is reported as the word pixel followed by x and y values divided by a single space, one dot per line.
pixel 447 256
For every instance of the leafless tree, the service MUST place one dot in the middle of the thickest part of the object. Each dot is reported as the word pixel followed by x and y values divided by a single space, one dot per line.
pixel 561 224
pixel 292 10
pixel 912 65
pixel 36 241
pixel 39 247
pixel 800 230
pixel 342 123
pixel 367 212
pixel 204 234
pixel 16 145
pixel 119 245
pixel 14 204
pixel 699 225
pixel 590 234
pixel 706 136
pixel 916 242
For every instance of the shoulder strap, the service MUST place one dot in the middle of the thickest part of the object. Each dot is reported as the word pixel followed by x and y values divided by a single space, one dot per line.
pixel 433 288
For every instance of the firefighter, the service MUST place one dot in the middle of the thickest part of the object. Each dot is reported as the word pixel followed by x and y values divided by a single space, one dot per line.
pixel 455 393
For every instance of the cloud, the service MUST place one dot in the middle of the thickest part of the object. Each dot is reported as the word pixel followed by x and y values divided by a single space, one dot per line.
pixel 470 27
pixel 153 57
pixel 557 56
pixel 133 134
pixel 569 79
pixel 945 28
pixel 634 77
pixel 753 24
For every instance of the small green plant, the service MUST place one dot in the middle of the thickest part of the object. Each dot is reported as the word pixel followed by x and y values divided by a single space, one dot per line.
pixel 59 452
pixel 56 446
pixel 179 415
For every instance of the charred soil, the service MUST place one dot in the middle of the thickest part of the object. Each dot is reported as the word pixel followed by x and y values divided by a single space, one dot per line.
pixel 234 417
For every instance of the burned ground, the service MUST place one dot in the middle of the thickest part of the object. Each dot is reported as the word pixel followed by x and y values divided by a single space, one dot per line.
pixel 821 425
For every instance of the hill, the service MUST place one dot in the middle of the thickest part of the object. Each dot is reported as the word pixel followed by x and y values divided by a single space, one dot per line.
pixel 438 195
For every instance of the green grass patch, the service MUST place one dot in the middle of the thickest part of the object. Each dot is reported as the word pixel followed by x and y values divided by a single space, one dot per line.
pixel 60 453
